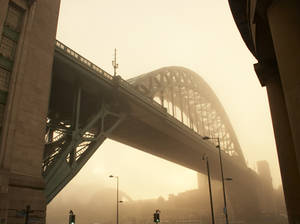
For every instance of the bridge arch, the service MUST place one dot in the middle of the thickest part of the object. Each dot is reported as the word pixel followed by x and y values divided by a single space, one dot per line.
pixel 187 97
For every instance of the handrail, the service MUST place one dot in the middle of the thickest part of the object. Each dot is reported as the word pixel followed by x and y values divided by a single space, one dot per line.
pixel 82 60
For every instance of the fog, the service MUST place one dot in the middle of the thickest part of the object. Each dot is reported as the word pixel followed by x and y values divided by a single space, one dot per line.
pixel 197 34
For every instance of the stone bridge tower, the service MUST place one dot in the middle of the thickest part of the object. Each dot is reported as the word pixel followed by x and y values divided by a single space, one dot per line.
pixel 27 41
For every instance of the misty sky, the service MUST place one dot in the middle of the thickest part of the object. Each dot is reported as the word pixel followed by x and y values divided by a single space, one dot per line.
pixel 150 34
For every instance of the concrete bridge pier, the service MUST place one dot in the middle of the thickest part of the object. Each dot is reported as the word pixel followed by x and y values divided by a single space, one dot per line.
pixel 27 41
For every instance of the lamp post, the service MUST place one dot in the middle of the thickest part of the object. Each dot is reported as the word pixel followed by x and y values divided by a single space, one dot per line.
pixel 221 167
pixel 204 157
pixel 111 176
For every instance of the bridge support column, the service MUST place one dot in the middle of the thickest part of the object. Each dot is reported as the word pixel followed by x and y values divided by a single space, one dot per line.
pixel 27 40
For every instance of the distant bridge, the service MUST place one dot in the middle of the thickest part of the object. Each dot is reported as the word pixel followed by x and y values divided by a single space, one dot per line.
pixel 165 112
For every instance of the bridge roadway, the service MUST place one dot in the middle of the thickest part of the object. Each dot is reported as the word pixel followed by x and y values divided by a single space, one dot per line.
pixel 143 124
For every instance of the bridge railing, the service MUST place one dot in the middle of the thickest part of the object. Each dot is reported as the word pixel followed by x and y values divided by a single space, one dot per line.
pixel 83 60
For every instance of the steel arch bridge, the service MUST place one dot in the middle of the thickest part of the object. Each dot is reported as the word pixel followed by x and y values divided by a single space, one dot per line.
pixel 188 98
pixel 166 112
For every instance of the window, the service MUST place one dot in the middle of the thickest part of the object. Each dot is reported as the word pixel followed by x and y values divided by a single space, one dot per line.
pixel 4 79
pixel 7 48
pixel 14 18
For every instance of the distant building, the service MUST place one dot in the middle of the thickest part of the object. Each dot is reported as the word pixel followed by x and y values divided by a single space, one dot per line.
pixel 266 190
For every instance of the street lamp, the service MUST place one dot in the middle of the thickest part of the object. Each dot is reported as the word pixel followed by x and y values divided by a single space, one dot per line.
pixel 204 157
pixel 221 166
pixel 111 176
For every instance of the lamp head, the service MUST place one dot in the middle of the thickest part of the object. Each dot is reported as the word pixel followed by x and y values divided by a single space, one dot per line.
pixel 206 138
pixel 111 176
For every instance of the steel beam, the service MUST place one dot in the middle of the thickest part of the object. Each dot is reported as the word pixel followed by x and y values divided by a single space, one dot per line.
pixel 76 148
